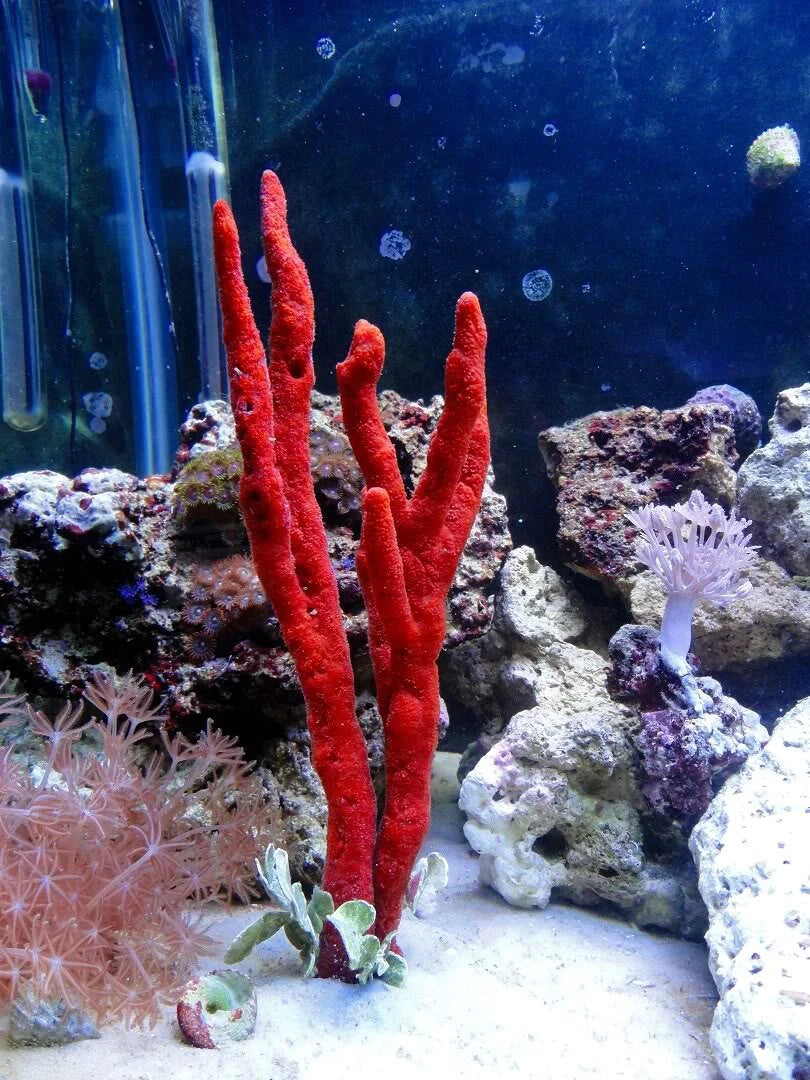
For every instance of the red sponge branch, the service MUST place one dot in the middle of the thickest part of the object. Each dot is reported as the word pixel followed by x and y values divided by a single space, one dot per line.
pixel 358 376
pixel 287 538
pixel 384 572
pixel 408 554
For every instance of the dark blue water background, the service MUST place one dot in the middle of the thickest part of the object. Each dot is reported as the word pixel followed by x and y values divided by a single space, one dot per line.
pixel 668 273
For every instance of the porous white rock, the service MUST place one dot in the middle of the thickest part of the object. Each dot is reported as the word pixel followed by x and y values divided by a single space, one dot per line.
pixel 555 808
pixel 92 508
pixel 773 488
pixel 98 481
pixel 527 656
pixel 209 426
pixel 28 499
pixel 752 850
pixel 772 621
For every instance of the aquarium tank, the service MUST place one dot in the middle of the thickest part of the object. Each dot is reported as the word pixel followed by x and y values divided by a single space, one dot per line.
pixel 404 539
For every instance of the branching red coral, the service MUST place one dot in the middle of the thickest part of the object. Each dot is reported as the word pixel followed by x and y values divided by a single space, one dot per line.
pixel 408 554
pixel 287 537
pixel 99 858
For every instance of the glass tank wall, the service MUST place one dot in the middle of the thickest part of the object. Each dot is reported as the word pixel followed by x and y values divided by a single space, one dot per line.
pixel 579 164
pixel 112 150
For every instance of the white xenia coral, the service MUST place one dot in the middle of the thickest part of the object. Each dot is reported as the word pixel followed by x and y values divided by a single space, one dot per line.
pixel 698 552
pixel 695 548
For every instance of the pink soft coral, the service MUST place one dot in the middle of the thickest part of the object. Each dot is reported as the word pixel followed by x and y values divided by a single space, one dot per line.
pixel 99 859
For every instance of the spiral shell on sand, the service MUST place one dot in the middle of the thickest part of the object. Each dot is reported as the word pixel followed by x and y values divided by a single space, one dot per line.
pixel 217 1008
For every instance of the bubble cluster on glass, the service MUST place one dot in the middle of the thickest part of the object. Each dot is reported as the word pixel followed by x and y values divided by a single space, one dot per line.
pixel 325 48
pixel 97 361
pixel 261 270
pixel 394 244
pixel 537 284
pixel 99 404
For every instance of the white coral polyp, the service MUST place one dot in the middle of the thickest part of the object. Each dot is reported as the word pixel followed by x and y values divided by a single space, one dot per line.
pixel 697 552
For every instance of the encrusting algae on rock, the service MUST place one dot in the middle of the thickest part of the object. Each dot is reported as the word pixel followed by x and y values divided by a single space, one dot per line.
pixel 773 157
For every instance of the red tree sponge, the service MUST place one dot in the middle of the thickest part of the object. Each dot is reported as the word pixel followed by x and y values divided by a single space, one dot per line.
pixel 409 551
pixel 287 537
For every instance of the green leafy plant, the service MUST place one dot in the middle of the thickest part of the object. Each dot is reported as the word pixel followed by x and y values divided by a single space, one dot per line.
pixel 302 923
pixel 429 875
pixel 368 956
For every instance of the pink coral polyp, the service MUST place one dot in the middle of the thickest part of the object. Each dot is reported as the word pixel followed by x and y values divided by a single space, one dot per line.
pixel 99 859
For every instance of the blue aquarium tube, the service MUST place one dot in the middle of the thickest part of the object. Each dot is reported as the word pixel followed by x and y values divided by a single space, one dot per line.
pixel 147 311
pixel 24 406
pixel 38 81
pixel 190 39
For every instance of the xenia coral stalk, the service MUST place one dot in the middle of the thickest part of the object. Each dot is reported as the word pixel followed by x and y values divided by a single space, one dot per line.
pixel 697 552
pixel 100 858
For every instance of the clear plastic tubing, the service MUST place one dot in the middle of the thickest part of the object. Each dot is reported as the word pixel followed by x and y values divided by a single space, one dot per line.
pixel 205 181
pixel 190 39
pixel 151 355
pixel 20 356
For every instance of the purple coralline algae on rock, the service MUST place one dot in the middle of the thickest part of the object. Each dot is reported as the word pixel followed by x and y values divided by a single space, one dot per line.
pixel 610 462
pixel 746 418
pixel 638 675
pixel 684 755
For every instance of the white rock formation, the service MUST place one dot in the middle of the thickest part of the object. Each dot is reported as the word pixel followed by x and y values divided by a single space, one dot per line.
pixel 527 656
pixel 752 849
pixel 771 622
pixel 555 806
pixel 773 487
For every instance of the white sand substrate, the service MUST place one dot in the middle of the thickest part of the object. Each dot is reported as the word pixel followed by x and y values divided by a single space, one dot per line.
pixel 492 992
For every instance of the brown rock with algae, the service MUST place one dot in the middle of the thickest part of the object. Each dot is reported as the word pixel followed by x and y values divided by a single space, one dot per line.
pixel 610 462
pixel 110 569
